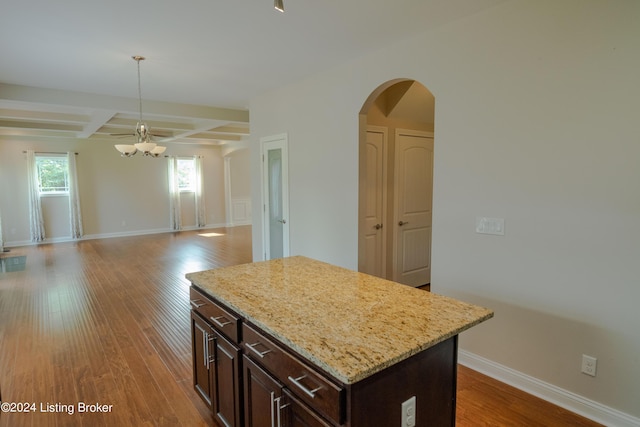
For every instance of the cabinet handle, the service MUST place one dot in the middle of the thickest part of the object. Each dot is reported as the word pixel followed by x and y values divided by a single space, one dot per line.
pixel 205 346
pixel 279 408
pixel 310 393
pixel 217 321
pixel 210 358
pixel 258 352
pixel 273 415
pixel 194 303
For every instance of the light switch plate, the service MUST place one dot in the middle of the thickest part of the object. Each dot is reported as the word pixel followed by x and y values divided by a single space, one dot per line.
pixel 486 225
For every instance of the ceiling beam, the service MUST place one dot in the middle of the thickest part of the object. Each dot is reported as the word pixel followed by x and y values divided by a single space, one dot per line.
pixel 106 102
pixel 98 119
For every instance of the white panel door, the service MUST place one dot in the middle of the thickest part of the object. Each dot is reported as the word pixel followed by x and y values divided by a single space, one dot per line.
pixel 375 202
pixel 413 189
pixel 276 196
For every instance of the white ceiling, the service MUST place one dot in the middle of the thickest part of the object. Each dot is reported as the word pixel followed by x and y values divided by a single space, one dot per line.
pixel 66 67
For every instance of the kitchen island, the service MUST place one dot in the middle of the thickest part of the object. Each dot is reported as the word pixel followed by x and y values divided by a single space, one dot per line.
pixel 296 341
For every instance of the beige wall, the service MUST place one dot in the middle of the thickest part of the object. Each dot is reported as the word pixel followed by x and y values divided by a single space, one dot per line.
pixel 240 174
pixel 536 122
pixel 119 196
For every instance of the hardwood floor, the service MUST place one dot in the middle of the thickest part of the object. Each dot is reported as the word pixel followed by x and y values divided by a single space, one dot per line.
pixel 484 401
pixel 107 322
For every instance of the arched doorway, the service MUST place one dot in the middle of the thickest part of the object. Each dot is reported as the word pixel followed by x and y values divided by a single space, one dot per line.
pixel 396 182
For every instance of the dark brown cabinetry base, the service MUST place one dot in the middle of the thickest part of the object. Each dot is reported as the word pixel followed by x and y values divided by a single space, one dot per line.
pixel 250 378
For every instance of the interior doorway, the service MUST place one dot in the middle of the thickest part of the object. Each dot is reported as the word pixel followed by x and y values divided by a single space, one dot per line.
pixel 396 182
pixel 275 196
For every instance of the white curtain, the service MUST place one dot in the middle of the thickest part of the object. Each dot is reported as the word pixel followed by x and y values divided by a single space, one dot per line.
pixel 174 195
pixel 201 217
pixel 75 215
pixel 36 222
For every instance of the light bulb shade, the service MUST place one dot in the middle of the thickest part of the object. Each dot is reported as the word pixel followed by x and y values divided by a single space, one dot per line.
pixel 145 147
pixel 278 5
pixel 126 150
pixel 156 151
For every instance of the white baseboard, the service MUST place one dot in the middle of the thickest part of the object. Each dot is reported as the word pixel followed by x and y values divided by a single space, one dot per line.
pixel 572 402
pixel 239 223
pixel 119 234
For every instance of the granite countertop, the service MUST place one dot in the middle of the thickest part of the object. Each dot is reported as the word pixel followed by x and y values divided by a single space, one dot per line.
pixel 350 324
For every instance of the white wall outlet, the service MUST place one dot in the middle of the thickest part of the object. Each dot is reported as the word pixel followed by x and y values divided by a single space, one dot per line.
pixel 486 225
pixel 589 365
pixel 409 412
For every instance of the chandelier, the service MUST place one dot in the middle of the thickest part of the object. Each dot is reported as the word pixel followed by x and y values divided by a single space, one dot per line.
pixel 142 133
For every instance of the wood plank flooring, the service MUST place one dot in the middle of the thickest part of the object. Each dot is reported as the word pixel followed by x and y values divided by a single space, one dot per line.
pixel 107 322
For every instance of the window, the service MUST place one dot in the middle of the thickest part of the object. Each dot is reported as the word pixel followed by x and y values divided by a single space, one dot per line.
pixel 53 174
pixel 186 174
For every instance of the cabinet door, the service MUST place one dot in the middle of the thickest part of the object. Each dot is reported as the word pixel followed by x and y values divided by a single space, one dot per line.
pixel 200 339
pixel 261 396
pixel 297 414
pixel 225 382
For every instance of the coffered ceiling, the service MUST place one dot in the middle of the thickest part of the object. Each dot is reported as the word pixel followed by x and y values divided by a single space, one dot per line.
pixel 66 69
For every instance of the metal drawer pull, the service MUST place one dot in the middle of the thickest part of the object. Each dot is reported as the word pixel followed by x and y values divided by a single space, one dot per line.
pixel 310 393
pixel 259 353
pixel 208 358
pixel 273 415
pixel 205 349
pixel 218 322
pixel 279 408
pixel 194 303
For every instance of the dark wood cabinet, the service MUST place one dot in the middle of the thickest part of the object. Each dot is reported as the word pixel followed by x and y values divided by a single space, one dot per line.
pixel 250 378
pixel 297 414
pixel 262 396
pixel 313 389
pixel 217 375
pixel 200 340
pixel 225 382
pixel 269 404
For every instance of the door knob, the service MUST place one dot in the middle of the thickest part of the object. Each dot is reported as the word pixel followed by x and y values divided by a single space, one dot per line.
pixel 377 226
pixel 401 223
pixel 283 221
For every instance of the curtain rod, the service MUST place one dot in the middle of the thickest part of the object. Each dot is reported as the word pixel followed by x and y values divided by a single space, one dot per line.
pixel 49 152
pixel 166 156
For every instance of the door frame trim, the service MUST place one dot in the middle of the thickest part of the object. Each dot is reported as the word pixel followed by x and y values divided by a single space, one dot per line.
pixel 282 141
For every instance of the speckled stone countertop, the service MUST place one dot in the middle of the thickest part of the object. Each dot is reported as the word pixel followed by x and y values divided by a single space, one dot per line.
pixel 350 324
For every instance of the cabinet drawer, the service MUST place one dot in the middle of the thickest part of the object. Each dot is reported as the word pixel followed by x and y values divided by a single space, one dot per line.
pixel 307 384
pixel 216 314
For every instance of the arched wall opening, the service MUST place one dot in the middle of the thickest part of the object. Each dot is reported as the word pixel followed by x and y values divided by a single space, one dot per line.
pixel 396 128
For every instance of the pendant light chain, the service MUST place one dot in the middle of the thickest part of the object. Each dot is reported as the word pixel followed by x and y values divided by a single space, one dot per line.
pixel 144 144
pixel 138 59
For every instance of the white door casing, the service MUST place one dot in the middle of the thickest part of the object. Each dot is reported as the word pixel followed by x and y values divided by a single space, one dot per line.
pixel 413 189
pixel 275 196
